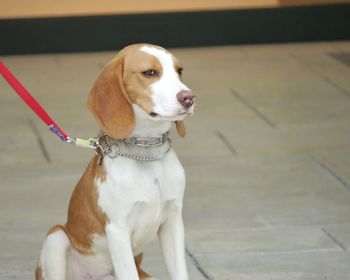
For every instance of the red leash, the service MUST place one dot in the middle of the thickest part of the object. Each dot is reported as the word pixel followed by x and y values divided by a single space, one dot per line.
pixel 91 143
pixel 31 102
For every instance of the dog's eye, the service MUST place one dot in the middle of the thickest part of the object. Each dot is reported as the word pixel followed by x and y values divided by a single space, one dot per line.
pixel 150 73
pixel 179 71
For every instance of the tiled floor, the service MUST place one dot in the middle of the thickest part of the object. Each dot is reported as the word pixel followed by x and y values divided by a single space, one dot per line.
pixel 267 157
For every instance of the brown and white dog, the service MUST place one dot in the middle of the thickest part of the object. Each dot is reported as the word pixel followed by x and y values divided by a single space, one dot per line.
pixel 123 202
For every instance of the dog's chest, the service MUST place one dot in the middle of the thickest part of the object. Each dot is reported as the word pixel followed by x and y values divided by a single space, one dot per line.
pixel 141 195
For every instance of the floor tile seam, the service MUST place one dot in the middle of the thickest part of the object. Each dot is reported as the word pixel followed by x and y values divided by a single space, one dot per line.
pixel 226 142
pixel 331 172
pixel 253 108
pixel 198 265
pixel 334 239
pixel 322 76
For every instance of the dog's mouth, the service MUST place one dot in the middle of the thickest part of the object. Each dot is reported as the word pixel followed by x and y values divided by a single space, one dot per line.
pixel 153 114
pixel 180 116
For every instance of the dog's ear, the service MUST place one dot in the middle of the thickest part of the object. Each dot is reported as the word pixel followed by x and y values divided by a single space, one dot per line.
pixel 109 102
pixel 180 127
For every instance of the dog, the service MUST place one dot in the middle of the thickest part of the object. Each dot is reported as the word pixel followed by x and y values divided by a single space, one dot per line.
pixel 132 190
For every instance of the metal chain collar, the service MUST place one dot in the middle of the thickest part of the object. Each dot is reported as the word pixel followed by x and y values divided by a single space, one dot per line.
pixel 109 147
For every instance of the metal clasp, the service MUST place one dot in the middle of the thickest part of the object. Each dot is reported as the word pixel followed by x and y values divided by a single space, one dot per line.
pixel 90 143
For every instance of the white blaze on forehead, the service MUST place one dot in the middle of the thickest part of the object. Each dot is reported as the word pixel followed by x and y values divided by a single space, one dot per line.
pixel 169 73
pixel 164 57
pixel 165 89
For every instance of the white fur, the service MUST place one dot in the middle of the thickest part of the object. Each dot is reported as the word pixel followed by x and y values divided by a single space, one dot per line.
pixel 146 127
pixel 53 256
pixel 140 199
pixel 164 90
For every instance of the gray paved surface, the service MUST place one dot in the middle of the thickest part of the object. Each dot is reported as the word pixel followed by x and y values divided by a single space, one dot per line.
pixel 267 158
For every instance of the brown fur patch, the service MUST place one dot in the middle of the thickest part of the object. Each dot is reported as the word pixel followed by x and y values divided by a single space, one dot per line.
pixel 38 272
pixel 142 274
pixel 100 173
pixel 110 104
pixel 85 218
pixel 181 129
pixel 136 84
pixel 177 64
pixel 56 228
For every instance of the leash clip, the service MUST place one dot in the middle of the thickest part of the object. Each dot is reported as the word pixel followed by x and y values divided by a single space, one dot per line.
pixel 91 143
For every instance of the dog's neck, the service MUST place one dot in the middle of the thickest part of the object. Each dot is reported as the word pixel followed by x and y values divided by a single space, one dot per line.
pixel 146 127
pixel 142 144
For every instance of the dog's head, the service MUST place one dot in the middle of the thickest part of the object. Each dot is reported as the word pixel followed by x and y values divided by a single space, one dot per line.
pixel 148 76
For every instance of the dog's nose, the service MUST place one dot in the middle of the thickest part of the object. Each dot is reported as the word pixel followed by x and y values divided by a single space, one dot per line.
pixel 186 98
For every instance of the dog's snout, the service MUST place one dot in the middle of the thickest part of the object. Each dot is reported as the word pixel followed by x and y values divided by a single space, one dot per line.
pixel 186 98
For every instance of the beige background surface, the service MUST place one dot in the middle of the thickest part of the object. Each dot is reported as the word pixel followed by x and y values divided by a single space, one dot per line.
pixel 51 8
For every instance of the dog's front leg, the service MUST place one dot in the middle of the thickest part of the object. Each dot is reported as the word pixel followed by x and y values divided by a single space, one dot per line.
pixel 171 237
pixel 119 244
